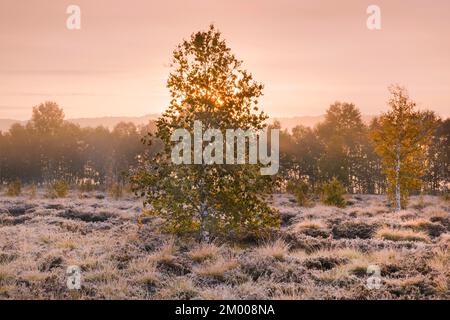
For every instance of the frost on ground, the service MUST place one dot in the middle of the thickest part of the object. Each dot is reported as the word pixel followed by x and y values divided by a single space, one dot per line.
pixel 319 253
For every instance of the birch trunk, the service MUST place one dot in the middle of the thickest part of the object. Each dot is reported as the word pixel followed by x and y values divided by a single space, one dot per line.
pixel 204 214
pixel 397 181
pixel 204 234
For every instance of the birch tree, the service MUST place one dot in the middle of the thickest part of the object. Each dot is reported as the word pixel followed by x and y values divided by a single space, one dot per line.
pixel 401 137
pixel 207 84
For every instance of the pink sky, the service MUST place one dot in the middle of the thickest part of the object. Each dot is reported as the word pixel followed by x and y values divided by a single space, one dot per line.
pixel 307 53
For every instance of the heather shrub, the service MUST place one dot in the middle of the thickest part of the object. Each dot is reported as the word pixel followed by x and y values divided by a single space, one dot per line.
pixel 354 230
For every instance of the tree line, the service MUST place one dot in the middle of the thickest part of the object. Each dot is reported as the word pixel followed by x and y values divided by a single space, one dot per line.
pixel 355 153
pixel 48 148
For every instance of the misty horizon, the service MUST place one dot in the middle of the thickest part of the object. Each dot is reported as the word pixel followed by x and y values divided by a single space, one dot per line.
pixel 288 122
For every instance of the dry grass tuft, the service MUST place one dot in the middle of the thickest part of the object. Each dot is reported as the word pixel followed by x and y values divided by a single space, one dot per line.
pixel 417 224
pixel 441 284
pixel 166 253
pixel 204 252
pixel 107 273
pixel 309 224
pixel 218 293
pixel 299 254
pixel 405 282
pixel 402 235
pixel 278 249
pixel 216 269
pixel 117 290
pixel 68 244
pixel 144 271
pixel 179 288
pixel 387 257
pixel 440 260
pixel 6 273
pixel 333 275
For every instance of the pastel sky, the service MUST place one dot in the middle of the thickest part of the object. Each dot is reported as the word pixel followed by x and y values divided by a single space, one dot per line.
pixel 307 53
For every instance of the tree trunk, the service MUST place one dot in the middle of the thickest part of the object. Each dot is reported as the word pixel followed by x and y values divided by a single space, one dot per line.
pixel 204 214
pixel 398 202
pixel 204 234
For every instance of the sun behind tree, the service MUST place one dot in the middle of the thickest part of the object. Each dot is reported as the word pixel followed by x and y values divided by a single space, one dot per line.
pixel 208 84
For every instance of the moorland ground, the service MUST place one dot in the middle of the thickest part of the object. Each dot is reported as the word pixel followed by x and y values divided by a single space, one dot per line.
pixel 320 252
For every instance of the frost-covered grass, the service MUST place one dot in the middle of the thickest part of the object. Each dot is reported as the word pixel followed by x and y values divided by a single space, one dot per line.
pixel 320 252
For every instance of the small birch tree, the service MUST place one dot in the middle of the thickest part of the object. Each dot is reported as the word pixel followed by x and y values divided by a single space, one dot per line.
pixel 401 137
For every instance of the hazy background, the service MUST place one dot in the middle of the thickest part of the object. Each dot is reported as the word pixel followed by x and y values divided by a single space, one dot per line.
pixel 307 53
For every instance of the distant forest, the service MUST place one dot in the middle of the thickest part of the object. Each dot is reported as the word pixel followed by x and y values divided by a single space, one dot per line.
pixel 48 148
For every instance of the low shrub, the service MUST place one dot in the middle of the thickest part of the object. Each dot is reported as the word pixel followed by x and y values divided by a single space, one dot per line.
pixel 323 262
pixel 58 189
pixel 354 230
pixel 333 193
pixel 14 188
pixel 300 190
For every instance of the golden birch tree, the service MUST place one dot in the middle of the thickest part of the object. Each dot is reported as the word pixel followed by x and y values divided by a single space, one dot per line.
pixel 401 137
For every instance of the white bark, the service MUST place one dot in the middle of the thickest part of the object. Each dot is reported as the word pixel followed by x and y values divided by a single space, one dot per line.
pixel 397 180
pixel 204 234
